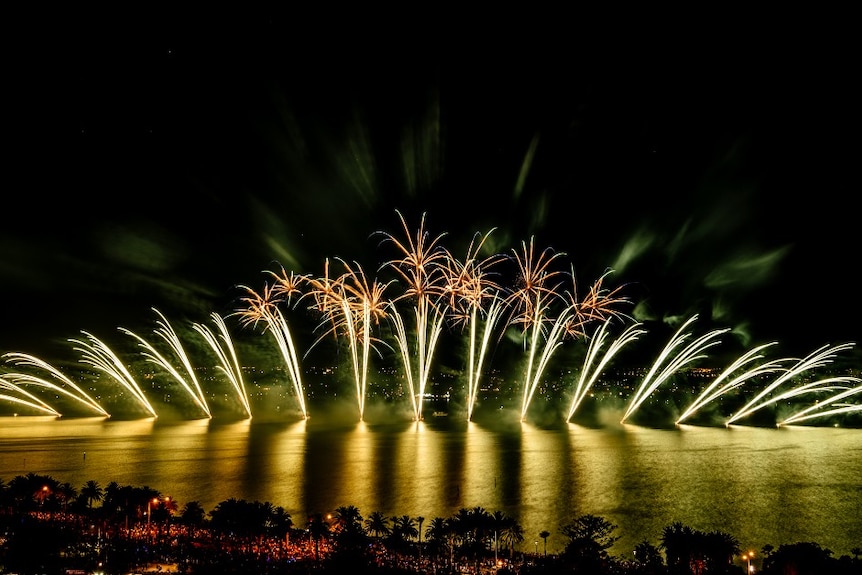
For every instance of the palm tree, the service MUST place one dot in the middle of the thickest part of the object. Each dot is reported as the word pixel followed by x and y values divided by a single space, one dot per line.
pixel 512 534
pixel 4 496
pixel 499 520
pixel 377 525
pixel 348 518
pixel 65 493
pixel 677 541
pixel 439 535
pixel 404 528
pixel 544 535
pixel 193 513
pixel 92 491
pixel 719 549
pixel 318 528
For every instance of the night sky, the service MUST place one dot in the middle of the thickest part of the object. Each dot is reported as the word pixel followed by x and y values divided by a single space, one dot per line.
pixel 161 165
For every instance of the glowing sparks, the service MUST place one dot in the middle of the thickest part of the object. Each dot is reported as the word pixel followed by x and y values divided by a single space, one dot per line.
pixel 228 363
pixel 264 307
pixel 63 383
pixel 189 382
pixel 468 287
pixel 818 358
pixel 352 306
pixel 590 374
pixel 422 267
pixel 724 383
pixel 98 355
pixel 439 291
pixel 667 363
pixel 819 409
pixel 28 400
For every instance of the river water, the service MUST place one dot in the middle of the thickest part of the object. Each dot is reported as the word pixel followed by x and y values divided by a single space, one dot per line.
pixel 761 485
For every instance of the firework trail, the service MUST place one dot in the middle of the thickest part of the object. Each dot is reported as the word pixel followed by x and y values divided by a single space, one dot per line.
pixel 26 360
pixel 477 361
pixel 97 354
pixel 552 341
pixel 724 383
pixel 228 364
pixel 600 304
pixel 589 374
pixel 827 385
pixel 352 306
pixel 819 358
pixel 819 408
pixel 690 353
pixel 468 287
pixel 264 308
pixel 427 338
pixel 530 306
pixel 29 400
pixel 422 267
pixel 167 333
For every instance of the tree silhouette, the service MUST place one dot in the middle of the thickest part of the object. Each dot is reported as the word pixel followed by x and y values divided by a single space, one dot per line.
pixel 512 534
pixel 193 514
pixel 318 528
pixel 92 491
pixel 804 558
pixel 590 537
pixel 377 525
pixel 648 559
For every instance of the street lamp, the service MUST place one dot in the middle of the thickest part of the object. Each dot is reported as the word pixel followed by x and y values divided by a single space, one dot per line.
pixel 150 503
pixel 495 546
pixel 537 547
pixel 747 558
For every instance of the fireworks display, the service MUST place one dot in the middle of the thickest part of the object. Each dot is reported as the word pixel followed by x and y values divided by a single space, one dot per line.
pixel 480 303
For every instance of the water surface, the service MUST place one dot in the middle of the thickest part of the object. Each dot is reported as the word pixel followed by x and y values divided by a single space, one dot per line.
pixel 762 485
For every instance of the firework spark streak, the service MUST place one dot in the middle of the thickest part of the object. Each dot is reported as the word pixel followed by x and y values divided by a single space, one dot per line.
pixel 360 367
pixel 422 267
pixel 97 354
pixel 476 361
pixel 552 342
pixel 351 307
pixel 819 358
pixel 529 306
pixel 589 375
pixel 690 353
pixel 442 292
pixel 468 287
pixel 827 385
pixel 819 409
pixel 167 333
pixel 427 336
pixel 264 308
pixel 281 333
pixel 228 364
pixel 26 360
pixel 29 400
pixel 722 384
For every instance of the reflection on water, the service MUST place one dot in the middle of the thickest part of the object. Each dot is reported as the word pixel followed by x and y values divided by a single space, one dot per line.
pixel 762 485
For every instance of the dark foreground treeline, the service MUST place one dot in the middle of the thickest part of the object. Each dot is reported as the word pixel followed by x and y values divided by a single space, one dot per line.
pixel 54 528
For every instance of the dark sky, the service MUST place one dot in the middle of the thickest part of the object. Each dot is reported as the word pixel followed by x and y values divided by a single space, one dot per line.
pixel 160 165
